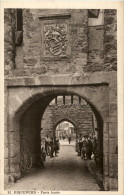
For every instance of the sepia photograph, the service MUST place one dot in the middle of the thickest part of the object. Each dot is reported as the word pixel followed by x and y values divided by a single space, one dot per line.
pixel 60 100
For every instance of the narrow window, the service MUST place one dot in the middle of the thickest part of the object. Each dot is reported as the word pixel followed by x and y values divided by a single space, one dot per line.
pixel 19 20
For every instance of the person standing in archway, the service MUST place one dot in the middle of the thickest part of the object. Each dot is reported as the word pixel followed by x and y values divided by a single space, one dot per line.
pixel 89 148
pixel 47 140
pixel 51 143
pixel 43 154
pixel 69 139
pixel 84 148
pixel 80 145
pixel 55 146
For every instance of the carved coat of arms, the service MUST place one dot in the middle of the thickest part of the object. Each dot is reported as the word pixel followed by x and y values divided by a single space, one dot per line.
pixel 55 39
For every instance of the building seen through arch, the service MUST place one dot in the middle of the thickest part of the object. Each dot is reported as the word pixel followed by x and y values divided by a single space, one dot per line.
pixel 64 129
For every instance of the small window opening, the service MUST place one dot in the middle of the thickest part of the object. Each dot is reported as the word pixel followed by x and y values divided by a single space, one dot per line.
pixel 19 20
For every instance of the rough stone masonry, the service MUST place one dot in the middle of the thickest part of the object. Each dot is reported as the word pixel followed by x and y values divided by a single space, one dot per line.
pixel 59 52
pixel 78 113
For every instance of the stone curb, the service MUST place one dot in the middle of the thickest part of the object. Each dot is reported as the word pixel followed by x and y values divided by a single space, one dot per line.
pixel 96 176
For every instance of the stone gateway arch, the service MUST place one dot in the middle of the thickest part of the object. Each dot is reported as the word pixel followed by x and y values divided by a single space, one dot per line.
pixel 39 73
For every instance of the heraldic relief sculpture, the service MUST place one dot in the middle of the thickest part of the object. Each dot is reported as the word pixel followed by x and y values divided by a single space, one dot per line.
pixel 55 40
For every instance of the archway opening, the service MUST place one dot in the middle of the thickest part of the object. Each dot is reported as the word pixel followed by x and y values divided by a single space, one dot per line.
pixel 65 129
pixel 30 121
pixel 85 119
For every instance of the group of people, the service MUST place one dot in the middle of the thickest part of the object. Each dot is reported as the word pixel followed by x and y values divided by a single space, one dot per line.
pixel 51 146
pixel 86 146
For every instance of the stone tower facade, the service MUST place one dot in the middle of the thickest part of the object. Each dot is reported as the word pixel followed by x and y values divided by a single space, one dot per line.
pixel 49 53
pixel 77 112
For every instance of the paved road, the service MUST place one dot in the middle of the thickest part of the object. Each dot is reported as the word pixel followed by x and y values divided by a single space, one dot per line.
pixel 67 172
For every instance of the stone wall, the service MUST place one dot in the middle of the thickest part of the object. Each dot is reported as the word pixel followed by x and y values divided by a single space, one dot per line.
pixel 102 44
pixel 83 54
pixel 34 56
pixel 79 114
pixel 96 49
pixel 110 40
pixel 47 123
pixel 34 62
pixel 9 40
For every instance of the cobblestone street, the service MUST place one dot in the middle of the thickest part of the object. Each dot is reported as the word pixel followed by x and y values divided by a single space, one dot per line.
pixel 67 172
